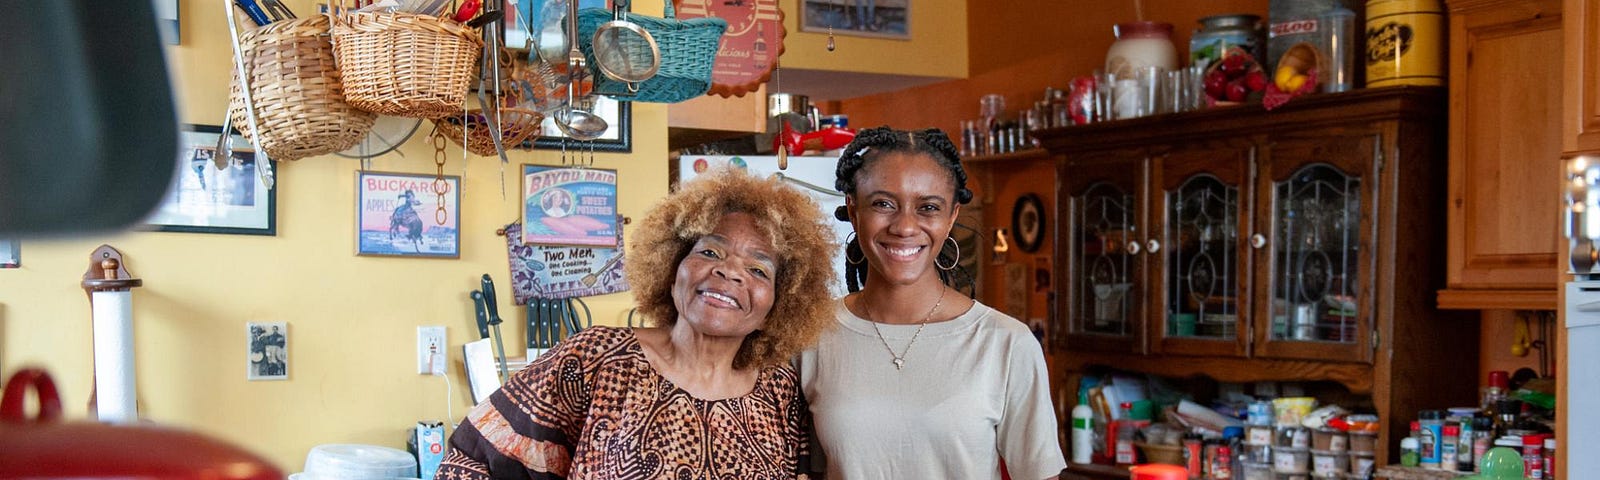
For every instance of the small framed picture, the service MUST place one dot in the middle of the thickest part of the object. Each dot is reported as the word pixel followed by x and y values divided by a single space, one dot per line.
pixel 10 253
pixel 866 18
pixel 408 215
pixel 569 206
pixel 269 350
pixel 1027 222
pixel 212 196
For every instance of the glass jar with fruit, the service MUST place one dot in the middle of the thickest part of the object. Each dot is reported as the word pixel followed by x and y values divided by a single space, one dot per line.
pixel 1218 33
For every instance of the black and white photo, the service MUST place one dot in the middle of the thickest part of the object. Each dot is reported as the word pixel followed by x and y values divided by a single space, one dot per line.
pixel 269 350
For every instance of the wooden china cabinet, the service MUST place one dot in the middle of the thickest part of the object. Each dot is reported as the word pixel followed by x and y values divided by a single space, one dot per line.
pixel 1302 244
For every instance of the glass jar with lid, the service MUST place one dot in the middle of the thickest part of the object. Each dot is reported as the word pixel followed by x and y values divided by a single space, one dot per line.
pixel 1218 33
pixel 1138 45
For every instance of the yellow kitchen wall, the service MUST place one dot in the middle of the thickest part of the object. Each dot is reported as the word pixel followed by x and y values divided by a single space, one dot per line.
pixel 937 47
pixel 352 320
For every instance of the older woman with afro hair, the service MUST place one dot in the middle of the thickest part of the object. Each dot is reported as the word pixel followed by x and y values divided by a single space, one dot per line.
pixel 732 272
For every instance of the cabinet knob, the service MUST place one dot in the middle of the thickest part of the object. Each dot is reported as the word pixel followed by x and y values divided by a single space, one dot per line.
pixel 1133 247
pixel 1153 246
pixel 1257 241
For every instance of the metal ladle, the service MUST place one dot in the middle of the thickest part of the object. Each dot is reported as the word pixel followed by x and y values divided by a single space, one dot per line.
pixel 577 123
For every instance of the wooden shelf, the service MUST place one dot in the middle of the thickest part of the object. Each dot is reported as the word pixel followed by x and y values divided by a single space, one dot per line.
pixel 1475 299
pixel 1017 156
pixel 1354 376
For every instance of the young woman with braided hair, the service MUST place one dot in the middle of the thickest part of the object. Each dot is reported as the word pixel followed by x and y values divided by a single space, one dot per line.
pixel 918 380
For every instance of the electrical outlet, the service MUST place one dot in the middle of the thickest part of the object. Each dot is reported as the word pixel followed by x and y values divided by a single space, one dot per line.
pixel 431 350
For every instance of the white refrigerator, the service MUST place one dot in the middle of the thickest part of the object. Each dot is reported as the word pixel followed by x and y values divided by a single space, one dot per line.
pixel 812 175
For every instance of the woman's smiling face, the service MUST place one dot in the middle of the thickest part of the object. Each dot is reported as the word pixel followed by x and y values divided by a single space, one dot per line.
pixel 725 287
pixel 903 208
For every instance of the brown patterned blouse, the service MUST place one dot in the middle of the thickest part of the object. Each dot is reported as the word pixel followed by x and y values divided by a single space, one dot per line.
pixel 594 408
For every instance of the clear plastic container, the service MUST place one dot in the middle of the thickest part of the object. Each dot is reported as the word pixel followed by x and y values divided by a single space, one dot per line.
pixel 1286 460
pixel 1339 41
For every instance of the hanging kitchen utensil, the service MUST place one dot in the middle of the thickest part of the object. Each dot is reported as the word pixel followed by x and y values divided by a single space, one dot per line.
pixel 624 50
pixel 481 314
pixel 688 50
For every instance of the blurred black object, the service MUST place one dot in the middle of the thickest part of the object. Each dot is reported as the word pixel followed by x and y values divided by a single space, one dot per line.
pixel 88 132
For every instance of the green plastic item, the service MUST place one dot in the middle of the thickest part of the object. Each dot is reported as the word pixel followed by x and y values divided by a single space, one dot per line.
pixel 1143 410
pixel 1499 463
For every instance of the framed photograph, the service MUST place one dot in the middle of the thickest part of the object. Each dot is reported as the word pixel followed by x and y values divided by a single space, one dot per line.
pixel 866 18
pixel 569 206
pixel 269 350
pixel 520 14
pixel 400 214
pixel 10 253
pixel 206 199
pixel 617 139
pixel 1027 223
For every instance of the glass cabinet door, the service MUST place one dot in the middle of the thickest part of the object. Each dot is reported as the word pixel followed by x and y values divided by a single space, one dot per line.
pixel 1105 247
pixel 1319 305
pixel 1200 263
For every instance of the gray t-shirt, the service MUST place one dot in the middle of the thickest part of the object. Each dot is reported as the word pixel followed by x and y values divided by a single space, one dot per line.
pixel 974 390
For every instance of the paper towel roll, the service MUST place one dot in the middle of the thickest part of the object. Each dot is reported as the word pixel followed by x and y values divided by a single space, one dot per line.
pixel 113 357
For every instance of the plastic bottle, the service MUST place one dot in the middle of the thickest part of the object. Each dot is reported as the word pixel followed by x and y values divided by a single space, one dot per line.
pixel 1447 447
pixel 1533 457
pixel 1082 429
pixel 1432 424
pixel 1125 428
pixel 1482 438
pixel 1550 459
pixel 1409 448
pixel 1464 452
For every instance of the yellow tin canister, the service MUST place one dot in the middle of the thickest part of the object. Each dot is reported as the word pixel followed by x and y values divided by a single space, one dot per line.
pixel 1405 43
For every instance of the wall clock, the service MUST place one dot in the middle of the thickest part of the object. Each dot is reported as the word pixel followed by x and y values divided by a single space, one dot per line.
pixel 751 46
pixel 1027 222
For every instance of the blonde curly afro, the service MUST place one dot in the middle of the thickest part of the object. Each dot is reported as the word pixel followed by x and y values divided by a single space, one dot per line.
pixel 802 303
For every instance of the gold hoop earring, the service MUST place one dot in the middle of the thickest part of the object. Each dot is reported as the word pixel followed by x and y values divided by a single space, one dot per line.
pixel 849 240
pixel 950 240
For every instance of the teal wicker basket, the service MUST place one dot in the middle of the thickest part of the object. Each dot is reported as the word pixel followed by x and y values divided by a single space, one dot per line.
pixel 688 51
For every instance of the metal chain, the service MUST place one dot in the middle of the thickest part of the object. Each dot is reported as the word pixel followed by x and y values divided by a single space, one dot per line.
pixel 440 186
pixel 900 359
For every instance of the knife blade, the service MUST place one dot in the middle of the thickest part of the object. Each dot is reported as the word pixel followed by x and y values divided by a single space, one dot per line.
pixel 482 315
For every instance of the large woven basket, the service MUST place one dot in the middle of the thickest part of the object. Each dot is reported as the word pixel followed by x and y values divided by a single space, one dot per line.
pixel 688 51
pixel 404 64
pixel 295 87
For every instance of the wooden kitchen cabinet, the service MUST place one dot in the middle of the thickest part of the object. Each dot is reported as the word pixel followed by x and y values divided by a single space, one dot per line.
pixel 1505 149
pixel 1580 29
pixel 1323 223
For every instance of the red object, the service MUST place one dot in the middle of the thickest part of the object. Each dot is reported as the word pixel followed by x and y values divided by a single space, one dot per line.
pixel 469 9
pixel 1157 471
pixel 45 448
pixel 1498 378
pixel 821 140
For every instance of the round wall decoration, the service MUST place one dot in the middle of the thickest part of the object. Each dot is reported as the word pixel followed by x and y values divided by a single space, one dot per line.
pixel 1027 222
pixel 751 46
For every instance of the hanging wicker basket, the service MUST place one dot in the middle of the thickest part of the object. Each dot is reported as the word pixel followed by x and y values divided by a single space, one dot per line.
pixel 516 126
pixel 297 92
pixel 405 64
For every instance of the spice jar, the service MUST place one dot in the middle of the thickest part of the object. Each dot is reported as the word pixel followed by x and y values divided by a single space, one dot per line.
pixel 1139 45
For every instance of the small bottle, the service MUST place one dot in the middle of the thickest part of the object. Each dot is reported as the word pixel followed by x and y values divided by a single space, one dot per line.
pixel 1192 455
pixel 1533 457
pixel 1222 465
pixel 1447 447
pixel 1482 437
pixel 1432 426
pixel 1125 454
pixel 1410 455
pixel 1082 429
pixel 1549 459
pixel 1499 383
pixel 1465 459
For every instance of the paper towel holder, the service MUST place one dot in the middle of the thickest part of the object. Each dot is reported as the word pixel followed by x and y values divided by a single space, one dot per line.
pixel 107 272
